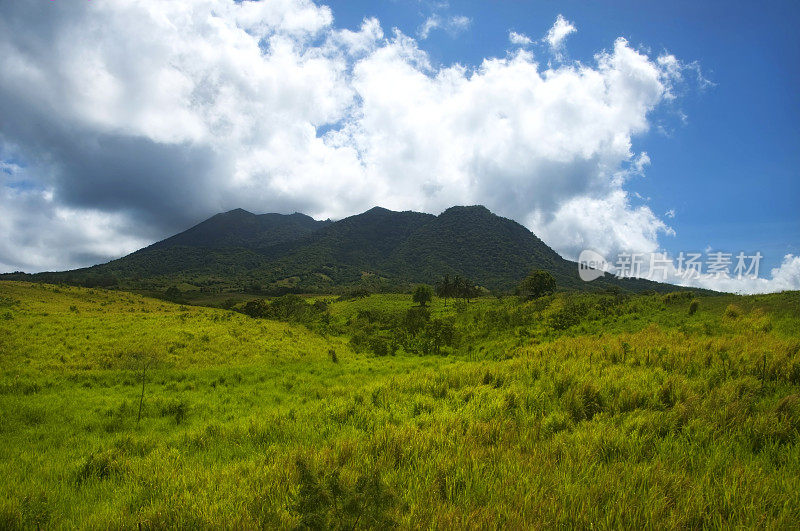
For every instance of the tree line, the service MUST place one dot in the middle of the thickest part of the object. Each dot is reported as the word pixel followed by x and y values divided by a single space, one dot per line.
pixel 457 287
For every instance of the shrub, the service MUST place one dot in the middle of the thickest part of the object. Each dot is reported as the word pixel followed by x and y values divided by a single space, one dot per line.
pixel 677 296
pixel 693 306
pixel 358 293
pixel 537 284
pixel 416 319
pixel 422 295
pixel 732 311
pixel 568 316
pixel 379 346
pixel 256 308
pixel 437 334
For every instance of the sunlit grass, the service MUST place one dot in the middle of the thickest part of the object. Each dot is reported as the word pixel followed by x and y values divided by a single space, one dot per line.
pixel 636 415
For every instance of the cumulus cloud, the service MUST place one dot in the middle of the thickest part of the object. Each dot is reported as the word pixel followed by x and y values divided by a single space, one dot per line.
pixel 125 122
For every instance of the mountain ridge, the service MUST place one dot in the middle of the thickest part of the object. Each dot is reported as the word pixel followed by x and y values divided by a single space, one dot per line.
pixel 379 249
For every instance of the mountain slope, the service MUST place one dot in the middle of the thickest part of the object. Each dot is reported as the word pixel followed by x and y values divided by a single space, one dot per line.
pixel 473 242
pixel 379 249
pixel 240 228
pixel 354 247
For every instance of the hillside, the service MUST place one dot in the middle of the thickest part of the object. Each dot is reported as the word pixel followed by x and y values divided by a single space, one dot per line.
pixel 632 413
pixel 380 249
pixel 239 228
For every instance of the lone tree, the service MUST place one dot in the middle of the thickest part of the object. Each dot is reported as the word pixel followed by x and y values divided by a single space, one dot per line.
pixel 422 295
pixel 537 284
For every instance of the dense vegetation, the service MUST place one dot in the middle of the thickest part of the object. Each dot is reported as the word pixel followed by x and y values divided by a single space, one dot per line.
pixel 575 410
pixel 379 250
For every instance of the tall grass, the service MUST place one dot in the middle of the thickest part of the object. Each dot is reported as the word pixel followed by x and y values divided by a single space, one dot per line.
pixel 570 411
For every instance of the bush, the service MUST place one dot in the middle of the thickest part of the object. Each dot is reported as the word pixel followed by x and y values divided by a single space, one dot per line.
pixel 358 293
pixel 693 306
pixel 732 311
pixel 379 346
pixel 537 284
pixel 677 296
pixel 422 295
pixel 256 308
pixel 173 294
pixel 415 320
pixel 569 315
pixel 437 334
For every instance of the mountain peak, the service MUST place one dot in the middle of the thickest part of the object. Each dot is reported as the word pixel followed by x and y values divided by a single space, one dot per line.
pixel 237 212
pixel 243 229
pixel 467 209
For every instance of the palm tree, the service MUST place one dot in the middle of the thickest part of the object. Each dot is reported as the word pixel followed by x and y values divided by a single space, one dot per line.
pixel 444 288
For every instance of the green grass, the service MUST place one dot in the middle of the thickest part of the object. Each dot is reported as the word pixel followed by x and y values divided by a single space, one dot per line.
pixel 573 410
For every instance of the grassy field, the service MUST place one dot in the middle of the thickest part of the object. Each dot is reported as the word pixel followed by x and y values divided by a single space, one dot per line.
pixel 590 411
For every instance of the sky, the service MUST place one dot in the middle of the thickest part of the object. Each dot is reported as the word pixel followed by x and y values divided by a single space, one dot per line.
pixel 628 128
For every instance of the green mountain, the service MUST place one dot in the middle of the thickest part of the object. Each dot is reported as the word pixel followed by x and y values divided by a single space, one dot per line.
pixel 379 249
pixel 240 228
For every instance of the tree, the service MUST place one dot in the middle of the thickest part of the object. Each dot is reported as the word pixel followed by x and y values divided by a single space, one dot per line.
pixel 416 319
pixel 537 284
pixel 462 288
pixel 444 288
pixel 439 333
pixel 422 295
pixel 173 294
pixel 256 308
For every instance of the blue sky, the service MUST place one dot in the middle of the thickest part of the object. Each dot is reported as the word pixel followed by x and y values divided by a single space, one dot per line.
pixel 731 171
pixel 650 127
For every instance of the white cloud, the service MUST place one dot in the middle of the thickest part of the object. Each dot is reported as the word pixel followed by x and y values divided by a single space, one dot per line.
pixel 608 224
pixel 785 277
pixel 128 121
pixel 453 25
pixel 362 41
pixel 431 23
pixel 520 39
pixel 670 213
pixel 458 24
pixel 560 30
pixel 38 234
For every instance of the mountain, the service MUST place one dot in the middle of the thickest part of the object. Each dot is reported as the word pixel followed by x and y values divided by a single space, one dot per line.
pixel 379 249
pixel 473 242
pixel 354 249
pixel 240 228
